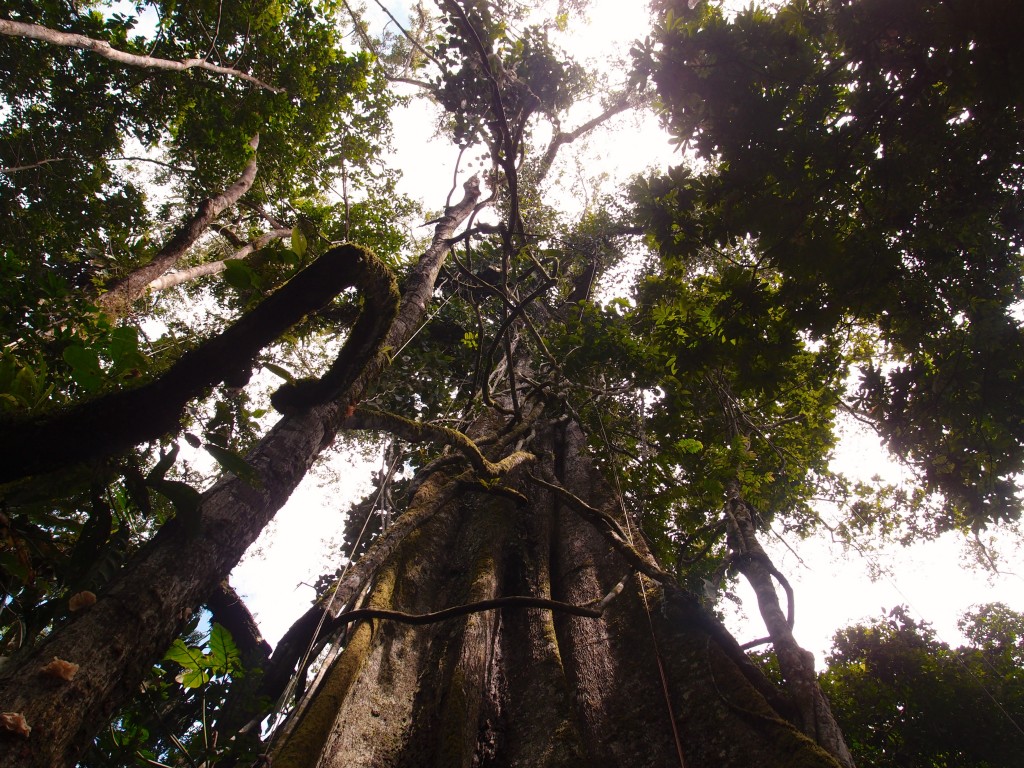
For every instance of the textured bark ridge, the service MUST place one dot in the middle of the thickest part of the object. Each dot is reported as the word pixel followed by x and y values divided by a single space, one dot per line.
pixel 531 687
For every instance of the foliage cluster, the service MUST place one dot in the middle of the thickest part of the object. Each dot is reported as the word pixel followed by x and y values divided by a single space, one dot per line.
pixel 904 698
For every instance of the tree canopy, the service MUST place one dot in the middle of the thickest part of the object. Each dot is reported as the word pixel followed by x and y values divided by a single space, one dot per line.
pixel 905 698
pixel 210 277
pixel 829 129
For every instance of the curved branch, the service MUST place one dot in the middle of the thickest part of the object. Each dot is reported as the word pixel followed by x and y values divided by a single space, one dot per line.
pixel 141 610
pixel 104 49
pixel 609 528
pixel 118 421
pixel 419 619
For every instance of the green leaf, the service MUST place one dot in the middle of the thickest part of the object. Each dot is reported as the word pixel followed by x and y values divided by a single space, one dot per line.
pixel 85 367
pixel 224 655
pixel 124 340
pixel 193 678
pixel 277 370
pixel 184 497
pixel 179 653
pixel 299 242
pixel 239 275
pixel 689 445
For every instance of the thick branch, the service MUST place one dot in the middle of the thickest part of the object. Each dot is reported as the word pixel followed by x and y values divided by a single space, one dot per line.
pixel 172 279
pixel 104 49
pixel 121 294
pixel 118 421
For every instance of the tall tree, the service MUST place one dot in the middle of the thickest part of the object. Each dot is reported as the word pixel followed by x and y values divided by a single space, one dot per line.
pixel 513 607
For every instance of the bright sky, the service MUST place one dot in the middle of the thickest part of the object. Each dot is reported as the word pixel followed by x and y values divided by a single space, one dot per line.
pixel 833 586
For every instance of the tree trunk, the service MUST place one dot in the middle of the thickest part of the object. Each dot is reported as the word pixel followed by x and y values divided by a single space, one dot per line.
pixel 655 681
pixel 795 662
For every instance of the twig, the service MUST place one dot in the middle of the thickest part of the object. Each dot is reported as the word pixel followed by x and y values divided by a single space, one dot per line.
pixel 411 39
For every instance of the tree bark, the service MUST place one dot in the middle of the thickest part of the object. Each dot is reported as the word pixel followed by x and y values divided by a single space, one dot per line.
pixel 118 297
pixel 143 609
pixel 653 682
pixel 795 662
pixel 230 611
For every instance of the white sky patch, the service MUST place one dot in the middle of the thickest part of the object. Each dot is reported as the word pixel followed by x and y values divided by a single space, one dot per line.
pixel 836 585
pixel 302 543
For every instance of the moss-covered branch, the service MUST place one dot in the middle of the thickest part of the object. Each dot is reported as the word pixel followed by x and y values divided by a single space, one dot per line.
pixel 419 432
pixel 116 422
